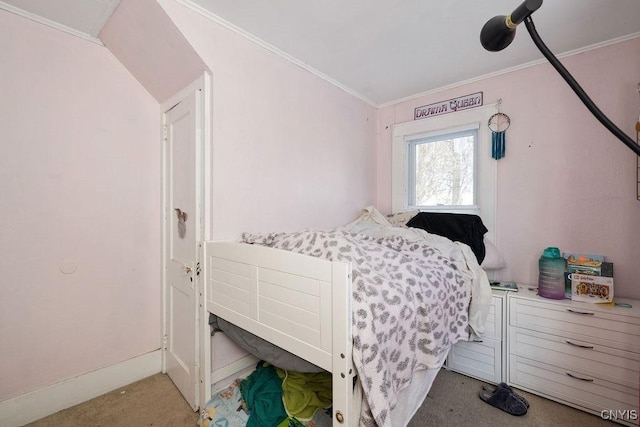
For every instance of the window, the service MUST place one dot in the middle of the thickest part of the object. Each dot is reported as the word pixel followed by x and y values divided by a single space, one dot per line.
pixel 442 170
pixel 444 163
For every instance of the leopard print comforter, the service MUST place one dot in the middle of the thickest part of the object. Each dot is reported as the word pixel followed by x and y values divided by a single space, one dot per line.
pixel 410 304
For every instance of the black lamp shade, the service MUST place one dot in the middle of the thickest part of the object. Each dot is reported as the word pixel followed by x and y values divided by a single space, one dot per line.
pixel 496 35
pixel 500 31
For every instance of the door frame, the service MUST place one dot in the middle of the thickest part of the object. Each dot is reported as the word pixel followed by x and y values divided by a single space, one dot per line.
pixel 204 187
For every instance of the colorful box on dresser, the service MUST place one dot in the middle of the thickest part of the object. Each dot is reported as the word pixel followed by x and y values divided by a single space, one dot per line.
pixel 594 265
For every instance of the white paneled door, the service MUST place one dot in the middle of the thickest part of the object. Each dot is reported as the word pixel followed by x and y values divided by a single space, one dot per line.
pixel 183 235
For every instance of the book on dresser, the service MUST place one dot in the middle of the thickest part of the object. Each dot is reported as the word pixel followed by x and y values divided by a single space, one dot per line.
pixel 504 286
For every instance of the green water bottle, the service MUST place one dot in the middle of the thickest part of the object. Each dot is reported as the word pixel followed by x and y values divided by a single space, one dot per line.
pixel 551 268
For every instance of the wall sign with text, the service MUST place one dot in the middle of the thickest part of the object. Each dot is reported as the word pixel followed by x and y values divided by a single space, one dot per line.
pixel 448 106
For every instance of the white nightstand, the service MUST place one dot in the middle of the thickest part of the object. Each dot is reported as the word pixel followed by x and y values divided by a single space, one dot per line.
pixel 484 359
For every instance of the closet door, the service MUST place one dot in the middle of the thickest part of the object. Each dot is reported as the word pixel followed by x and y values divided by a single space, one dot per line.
pixel 181 242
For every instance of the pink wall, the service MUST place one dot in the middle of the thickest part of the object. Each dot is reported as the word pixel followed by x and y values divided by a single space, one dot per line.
pixel 290 151
pixel 565 180
pixel 82 184
pixel 80 202
pixel 81 173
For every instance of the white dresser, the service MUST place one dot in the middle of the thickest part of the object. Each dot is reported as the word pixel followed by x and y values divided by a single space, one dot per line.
pixel 580 354
pixel 484 359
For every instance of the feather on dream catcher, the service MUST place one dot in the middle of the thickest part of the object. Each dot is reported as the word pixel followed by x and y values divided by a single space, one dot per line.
pixel 498 123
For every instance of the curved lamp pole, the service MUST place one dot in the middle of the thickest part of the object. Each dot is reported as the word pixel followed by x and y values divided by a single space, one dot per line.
pixel 500 31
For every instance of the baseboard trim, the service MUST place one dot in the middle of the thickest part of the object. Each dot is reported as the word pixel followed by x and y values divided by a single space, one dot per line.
pixel 43 402
pixel 223 377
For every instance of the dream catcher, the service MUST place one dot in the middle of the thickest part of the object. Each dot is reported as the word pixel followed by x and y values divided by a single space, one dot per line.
pixel 498 123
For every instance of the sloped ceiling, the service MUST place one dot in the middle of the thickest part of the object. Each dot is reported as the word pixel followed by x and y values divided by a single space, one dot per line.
pixel 145 40
pixel 384 50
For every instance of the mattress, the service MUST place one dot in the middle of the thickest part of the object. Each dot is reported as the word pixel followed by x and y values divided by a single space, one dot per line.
pixel 261 348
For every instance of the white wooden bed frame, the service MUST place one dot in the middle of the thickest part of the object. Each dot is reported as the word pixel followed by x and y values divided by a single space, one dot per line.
pixel 252 286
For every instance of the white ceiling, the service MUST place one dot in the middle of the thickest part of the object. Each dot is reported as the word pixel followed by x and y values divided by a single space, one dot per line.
pixel 82 17
pixel 384 50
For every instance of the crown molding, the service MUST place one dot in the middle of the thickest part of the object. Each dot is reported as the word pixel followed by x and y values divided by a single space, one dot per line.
pixel 510 70
pixel 49 23
pixel 218 20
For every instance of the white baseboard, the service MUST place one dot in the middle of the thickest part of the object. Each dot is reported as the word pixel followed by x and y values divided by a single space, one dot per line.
pixel 223 377
pixel 48 400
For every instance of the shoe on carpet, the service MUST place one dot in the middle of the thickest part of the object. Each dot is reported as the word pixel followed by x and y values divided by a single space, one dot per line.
pixel 491 389
pixel 505 400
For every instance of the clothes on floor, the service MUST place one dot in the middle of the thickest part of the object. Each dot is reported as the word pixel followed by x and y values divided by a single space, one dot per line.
pixel 275 397
pixel 304 393
pixel 262 392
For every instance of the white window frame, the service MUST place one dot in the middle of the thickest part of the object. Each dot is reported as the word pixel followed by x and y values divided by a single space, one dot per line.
pixel 485 175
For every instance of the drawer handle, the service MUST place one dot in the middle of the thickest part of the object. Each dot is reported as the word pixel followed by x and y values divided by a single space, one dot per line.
pixel 580 378
pixel 590 313
pixel 579 345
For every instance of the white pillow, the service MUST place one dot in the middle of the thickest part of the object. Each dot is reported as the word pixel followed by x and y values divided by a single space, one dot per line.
pixel 493 259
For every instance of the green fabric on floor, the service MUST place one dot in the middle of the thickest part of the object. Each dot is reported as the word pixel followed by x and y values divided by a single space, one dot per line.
pixel 262 392
pixel 290 422
pixel 304 393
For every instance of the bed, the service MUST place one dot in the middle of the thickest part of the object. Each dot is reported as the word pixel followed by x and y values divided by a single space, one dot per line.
pixel 377 306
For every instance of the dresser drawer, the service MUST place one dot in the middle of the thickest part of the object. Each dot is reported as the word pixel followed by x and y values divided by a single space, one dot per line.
pixel 582 321
pixel 556 383
pixel 581 358
pixel 481 360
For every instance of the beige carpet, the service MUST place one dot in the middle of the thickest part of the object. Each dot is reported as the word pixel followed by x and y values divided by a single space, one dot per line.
pixel 452 401
pixel 153 401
